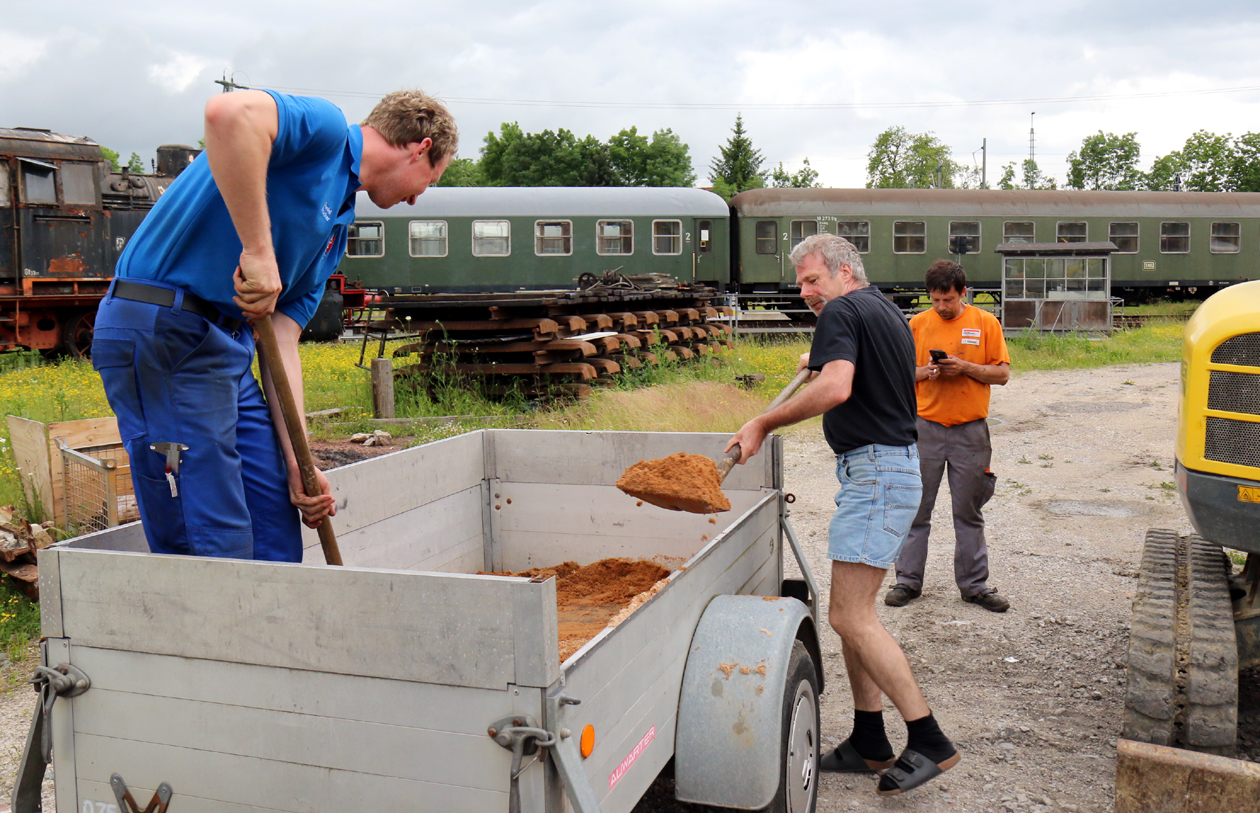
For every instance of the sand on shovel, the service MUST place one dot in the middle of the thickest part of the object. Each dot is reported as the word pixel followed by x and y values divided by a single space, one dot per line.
pixel 683 482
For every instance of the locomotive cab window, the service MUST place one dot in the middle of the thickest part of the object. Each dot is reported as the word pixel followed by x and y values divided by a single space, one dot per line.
pixel 4 186
pixel 968 230
pixel 1125 236
pixel 857 232
pixel 366 239
pixel 667 237
pixel 492 238
pixel 553 238
pixel 78 184
pixel 39 181
pixel 427 238
pixel 1019 231
pixel 909 236
pixel 801 229
pixel 614 237
pixel 1226 238
pixel 1174 238
pixel 1072 232
pixel 767 237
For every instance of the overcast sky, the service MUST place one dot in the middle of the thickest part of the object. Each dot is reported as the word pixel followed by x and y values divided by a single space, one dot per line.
pixel 134 74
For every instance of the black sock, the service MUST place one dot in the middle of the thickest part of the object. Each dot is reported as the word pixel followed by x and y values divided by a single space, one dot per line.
pixel 926 738
pixel 868 737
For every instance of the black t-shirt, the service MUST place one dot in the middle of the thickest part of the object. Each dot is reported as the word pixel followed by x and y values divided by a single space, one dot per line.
pixel 865 328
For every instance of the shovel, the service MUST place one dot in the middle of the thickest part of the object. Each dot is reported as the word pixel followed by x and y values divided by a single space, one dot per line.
pixel 694 505
pixel 270 356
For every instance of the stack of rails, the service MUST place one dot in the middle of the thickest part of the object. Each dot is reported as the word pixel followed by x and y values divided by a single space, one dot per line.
pixel 553 342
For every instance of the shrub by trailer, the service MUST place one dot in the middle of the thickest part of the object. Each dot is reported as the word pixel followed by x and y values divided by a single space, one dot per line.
pixel 407 680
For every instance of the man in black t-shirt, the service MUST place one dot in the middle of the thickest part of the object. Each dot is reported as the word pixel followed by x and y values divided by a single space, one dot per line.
pixel 863 358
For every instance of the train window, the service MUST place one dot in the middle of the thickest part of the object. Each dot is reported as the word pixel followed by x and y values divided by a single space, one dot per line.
pixel 614 237
pixel 78 184
pixel 857 232
pixel 909 236
pixel 802 229
pixel 1072 232
pixel 1125 236
pixel 492 238
pixel 1226 238
pixel 553 237
pixel 39 181
pixel 767 239
pixel 427 238
pixel 1174 238
pixel 969 229
pixel 667 237
pixel 4 185
pixel 366 239
pixel 1019 231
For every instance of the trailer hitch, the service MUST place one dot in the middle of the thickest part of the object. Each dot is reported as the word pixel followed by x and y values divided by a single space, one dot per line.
pixel 521 735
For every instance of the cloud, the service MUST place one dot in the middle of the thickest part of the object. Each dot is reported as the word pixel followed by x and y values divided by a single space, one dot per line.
pixel 178 72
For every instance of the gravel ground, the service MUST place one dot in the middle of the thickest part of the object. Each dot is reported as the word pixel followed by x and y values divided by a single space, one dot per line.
pixel 1033 698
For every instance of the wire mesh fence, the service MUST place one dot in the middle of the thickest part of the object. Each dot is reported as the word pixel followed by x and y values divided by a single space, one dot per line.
pixel 97 489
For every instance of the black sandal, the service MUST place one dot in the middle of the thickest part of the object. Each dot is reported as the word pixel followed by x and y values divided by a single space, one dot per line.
pixel 912 769
pixel 844 758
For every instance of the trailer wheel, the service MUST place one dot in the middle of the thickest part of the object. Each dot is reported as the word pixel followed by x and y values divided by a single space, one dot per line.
pixel 798 781
pixel 76 336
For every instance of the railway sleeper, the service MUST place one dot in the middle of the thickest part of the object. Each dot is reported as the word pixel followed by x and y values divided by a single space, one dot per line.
pixel 1183 659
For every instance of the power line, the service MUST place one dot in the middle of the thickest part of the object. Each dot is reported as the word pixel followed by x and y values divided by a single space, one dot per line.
pixel 793 106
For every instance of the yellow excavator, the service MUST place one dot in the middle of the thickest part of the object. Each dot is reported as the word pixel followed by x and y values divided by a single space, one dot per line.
pixel 1196 623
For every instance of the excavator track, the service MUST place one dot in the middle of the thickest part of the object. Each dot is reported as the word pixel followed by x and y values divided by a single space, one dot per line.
pixel 1183 657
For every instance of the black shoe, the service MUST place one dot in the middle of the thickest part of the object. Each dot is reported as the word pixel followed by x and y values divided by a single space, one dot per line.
pixel 990 600
pixel 901 595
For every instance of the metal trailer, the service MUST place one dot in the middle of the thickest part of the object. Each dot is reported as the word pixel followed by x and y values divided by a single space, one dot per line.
pixel 407 680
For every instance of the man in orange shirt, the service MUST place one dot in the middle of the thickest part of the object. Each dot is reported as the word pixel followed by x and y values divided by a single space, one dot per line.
pixel 959 352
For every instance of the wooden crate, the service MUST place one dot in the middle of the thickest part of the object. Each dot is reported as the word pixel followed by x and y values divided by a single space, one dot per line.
pixel 39 460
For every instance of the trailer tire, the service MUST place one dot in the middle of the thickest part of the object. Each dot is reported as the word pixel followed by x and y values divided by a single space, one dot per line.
pixel 798 780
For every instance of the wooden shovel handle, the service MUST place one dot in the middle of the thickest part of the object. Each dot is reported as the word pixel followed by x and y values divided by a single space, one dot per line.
pixel 732 457
pixel 269 355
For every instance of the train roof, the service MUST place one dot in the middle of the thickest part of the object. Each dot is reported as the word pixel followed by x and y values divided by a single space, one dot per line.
pixel 553 201
pixel 993 203
pixel 36 143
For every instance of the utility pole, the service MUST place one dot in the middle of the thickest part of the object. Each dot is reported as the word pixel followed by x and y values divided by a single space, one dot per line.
pixel 984 163
pixel 229 85
pixel 1032 138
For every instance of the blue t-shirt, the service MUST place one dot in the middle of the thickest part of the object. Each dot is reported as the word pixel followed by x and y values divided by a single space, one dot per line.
pixel 188 239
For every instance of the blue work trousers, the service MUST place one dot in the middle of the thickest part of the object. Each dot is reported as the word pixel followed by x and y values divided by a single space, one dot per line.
pixel 172 376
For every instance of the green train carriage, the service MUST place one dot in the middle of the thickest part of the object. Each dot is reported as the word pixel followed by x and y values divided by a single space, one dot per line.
pixel 474 240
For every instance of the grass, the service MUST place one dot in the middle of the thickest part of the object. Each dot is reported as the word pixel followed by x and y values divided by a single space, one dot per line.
pixel 1159 340
pixel 19 624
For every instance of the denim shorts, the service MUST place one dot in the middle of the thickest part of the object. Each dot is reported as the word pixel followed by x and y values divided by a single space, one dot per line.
pixel 879 495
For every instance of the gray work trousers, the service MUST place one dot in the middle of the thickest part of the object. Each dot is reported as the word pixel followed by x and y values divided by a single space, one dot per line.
pixel 966 450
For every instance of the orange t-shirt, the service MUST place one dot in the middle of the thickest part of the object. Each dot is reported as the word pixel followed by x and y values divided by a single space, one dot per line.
pixel 975 335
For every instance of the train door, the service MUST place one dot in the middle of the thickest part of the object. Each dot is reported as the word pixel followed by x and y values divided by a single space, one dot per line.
pixel 57 221
pixel 702 251
pixel 8 252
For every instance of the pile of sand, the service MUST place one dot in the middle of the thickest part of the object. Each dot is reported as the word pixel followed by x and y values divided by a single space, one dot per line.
pixel 687 482
pixel 589 597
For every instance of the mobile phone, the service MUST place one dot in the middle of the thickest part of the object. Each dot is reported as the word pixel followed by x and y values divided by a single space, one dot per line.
pixel 937 356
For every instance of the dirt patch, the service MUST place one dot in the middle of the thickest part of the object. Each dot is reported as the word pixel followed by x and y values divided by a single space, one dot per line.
pixel 331 455
pixel 589 597
pixel 686 482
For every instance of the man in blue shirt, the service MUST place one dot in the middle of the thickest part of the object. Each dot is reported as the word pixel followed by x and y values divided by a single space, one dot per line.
pixel 213 470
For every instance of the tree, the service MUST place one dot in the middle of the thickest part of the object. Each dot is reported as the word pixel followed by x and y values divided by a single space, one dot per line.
pixel 135 164
pixel 1033 179
pixel 739 166
pixel 1207 160
pixel 1245 169
pixel 462 172
pixel 112 158
pixel 663 161
pixel 516 158
pixel 805 178
pixel 1106 161
pixel 900 159
pixel 1165 173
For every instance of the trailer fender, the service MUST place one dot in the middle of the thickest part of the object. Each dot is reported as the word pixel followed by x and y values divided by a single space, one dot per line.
pixel 730 710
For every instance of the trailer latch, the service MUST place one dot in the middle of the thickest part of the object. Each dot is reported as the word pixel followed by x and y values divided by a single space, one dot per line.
pixel 521 735
pixel 62 680
pixel 127 804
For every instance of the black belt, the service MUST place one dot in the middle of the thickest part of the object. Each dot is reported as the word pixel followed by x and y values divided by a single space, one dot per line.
pixel 153 295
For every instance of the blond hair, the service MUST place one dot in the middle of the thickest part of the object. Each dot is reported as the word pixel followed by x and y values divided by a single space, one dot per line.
pixel 410 116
